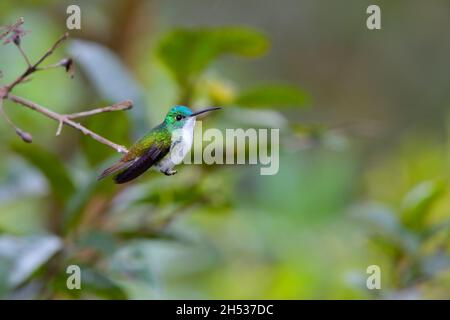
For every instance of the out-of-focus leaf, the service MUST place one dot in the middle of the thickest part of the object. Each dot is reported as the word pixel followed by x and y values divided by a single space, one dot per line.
pixel 417 203
pixel 24 255
pixel 103 242
pixel 433 264
pixel 386 229
pixel 134 261
pixel 111 79
pixel 95 282
pixel 50 166
pixel 270 96
pixel 76 204
pixel 435 229
pixel 187 52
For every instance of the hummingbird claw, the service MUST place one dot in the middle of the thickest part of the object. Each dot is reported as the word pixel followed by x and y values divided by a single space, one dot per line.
pixel 170 172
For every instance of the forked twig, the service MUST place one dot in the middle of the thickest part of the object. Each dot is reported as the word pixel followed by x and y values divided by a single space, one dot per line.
pixel 62 119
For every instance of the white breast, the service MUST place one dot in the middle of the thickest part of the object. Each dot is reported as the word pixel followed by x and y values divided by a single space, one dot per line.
pixel 182 142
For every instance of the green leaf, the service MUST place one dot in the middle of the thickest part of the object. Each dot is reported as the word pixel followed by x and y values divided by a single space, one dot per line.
pixel 111 79
pixel 101 241
pixel 93 282
pixel 74 209
pixel 269 96
pixel 418 202
pixel 22 256
pixel 385 229
pixel 50 166
pixel 188 52
pixel 99 284
pixel 135 260
pixel 76 204
pixel 433 264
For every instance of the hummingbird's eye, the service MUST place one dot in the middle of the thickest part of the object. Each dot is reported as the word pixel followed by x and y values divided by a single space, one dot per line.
pixel 179 117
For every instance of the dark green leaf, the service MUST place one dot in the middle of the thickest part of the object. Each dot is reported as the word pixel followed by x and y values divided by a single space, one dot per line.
pixel 99 284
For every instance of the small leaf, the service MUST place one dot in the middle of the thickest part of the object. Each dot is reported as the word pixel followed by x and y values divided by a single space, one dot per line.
pixel 418 202
pixel 74 209
pixel 50 166
pixel 103 242
pixel 269 96
pixel 188 52
pixel 24 255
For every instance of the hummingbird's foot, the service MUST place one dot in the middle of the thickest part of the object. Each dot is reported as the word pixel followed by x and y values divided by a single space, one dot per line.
pixel 169 172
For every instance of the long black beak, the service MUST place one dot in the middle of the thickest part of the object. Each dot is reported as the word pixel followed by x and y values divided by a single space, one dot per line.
pixel 204 110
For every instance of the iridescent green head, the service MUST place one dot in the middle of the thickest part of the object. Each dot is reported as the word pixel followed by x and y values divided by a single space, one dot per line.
pixel 178 116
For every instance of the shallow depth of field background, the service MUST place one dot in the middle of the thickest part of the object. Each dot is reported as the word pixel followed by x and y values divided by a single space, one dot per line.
pixel 364 125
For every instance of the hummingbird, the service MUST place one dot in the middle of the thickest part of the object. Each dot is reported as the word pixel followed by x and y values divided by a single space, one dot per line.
pixel 162 147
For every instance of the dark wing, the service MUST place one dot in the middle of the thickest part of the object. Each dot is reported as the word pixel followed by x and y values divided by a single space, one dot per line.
pixel 119 166
pixel 143 163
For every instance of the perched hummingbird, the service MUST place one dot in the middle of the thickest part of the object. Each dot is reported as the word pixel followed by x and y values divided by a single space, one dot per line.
pixel 163 147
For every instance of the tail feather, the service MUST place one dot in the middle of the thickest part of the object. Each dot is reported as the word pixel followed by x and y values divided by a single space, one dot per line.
pixel 139 166
pixel 119 166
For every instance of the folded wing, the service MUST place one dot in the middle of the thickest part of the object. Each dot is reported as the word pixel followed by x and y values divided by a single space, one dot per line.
pixel 142 164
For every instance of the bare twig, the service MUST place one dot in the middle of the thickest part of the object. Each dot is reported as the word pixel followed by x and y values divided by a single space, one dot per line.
pixel 5 93
pixel 24 55
pixel 33 68
pixel 124 105
pixel 22 134
pixel 64 120
pixel 10 28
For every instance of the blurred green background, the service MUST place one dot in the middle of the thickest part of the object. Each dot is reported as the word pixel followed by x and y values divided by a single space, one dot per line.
pixel 363 179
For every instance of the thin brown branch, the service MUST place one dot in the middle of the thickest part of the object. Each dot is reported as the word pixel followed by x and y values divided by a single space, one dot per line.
pixel 10 28
pixel 25 136
pixel 24 55
pixel 59 64
pixel 5 93
pixel 63 120
pixel 124 105
pixel 34 67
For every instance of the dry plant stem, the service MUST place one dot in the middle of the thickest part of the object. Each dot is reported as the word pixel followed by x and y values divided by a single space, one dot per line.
pixel 50 66
pixel 124 105
pixel 34 67
pixel 5 93
pixel 24 55
pixel 22 134
pixel 63 120
pixel 12 27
